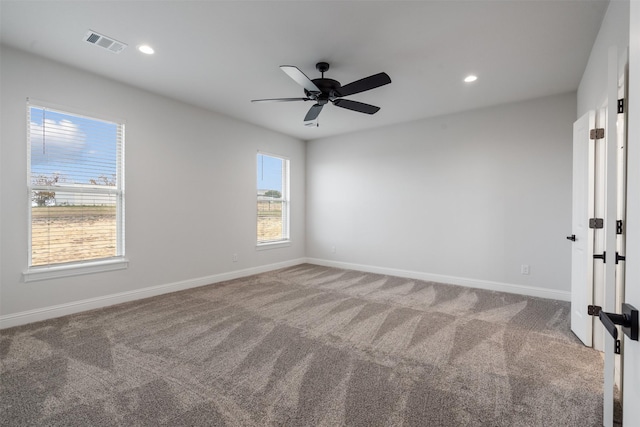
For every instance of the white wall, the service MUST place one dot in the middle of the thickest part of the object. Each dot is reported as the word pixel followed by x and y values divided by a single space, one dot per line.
pixel 614 31
pixel 465 198
pixel 190 183
pixel 631 409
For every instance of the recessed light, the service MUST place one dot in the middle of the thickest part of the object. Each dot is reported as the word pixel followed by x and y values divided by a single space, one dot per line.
pixel 146 49
pixel 470 78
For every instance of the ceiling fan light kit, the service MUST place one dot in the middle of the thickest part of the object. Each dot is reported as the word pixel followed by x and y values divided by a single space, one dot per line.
pixel 322 91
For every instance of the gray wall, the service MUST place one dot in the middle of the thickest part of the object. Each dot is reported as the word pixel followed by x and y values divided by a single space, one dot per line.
pixel 465 198
pixel 190 183
pixel 614 31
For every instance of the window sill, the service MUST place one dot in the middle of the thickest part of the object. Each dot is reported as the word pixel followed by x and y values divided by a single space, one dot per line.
pixel 273 245
pixel 34 274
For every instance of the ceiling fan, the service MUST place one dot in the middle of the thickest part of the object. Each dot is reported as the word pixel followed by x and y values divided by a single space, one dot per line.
pixel 322 90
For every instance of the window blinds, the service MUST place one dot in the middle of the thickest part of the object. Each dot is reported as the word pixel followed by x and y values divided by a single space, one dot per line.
pixel 75 180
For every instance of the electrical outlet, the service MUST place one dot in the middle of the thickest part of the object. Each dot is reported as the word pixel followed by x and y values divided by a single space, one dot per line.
pixel 234 257
pixel 524 269
pixel 333 249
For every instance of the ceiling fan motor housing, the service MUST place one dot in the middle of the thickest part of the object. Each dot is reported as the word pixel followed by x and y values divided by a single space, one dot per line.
pixel 330 89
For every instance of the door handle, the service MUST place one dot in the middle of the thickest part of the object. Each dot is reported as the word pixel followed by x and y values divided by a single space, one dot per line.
pixel 572 237
pixel 628 320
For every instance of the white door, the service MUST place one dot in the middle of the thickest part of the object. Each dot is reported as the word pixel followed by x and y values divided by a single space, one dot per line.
pixel 612 192
pixel 622 208
pixel 582 245
pixel 600 236
pixel 631 375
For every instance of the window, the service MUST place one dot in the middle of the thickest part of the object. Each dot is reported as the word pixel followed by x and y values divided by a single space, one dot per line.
pixel 273 199
pixel 76 192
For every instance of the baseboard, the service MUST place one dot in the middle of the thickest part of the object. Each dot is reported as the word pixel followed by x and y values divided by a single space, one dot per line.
pixel 30 316
pixel 461 281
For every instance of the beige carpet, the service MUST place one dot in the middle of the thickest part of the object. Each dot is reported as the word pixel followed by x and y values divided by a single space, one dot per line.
pixel 303 346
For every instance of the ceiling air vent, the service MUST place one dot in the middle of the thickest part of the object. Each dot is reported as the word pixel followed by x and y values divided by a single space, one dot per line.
pixel 105 42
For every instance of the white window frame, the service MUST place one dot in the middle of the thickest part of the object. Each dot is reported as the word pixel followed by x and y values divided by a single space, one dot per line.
pixel 286 205
pixel 79 267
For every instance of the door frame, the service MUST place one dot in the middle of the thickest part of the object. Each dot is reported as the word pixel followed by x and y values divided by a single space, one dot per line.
pixel 631 363
pixel 616 69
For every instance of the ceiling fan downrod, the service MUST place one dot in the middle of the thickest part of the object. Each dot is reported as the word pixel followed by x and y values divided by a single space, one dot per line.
pixel 322 67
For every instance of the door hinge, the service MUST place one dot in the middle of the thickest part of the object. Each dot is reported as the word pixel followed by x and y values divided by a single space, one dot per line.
pixel 596 223
pixel 594 310
pixel 619 226
pixel 620 106
pixel 602 256
pixel 597 133
pixel 619 257
pixel 617 347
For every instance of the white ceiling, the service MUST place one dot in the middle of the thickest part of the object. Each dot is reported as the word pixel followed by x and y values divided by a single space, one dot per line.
pixel 221 54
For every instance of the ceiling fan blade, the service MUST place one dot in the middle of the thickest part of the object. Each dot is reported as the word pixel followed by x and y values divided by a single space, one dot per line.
pixel 280 100
pixel 356 106
pixel 313 113
pixel 367 83
pixel 300 78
